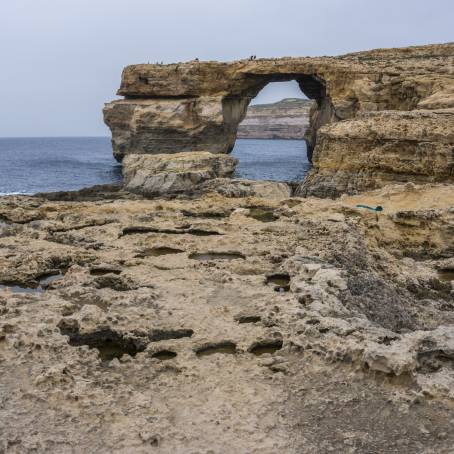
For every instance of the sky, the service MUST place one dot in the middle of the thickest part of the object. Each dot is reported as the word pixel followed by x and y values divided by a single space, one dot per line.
pixel 61 60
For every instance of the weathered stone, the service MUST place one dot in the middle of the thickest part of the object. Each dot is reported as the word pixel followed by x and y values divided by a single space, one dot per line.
pixel 164 174
pixel 360 349
pixel 379 148
pixel 157 126
pixel 248 188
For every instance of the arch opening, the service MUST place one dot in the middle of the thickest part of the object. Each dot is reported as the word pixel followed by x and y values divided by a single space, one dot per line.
pixel 273 140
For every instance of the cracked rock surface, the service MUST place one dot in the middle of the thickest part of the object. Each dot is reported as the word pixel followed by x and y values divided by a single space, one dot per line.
pixel 227 323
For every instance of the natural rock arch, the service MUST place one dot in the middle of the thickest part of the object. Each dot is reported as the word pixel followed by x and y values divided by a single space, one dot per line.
pixel 161 116
pixel 381 116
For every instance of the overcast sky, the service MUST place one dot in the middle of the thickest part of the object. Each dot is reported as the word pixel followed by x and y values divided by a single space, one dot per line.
pixel 61 60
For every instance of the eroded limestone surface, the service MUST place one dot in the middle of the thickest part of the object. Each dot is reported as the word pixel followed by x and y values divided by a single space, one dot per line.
pixel 228 323
pixel 372 122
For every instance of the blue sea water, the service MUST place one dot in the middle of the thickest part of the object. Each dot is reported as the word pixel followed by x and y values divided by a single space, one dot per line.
pixel 279 160
pixel 30 165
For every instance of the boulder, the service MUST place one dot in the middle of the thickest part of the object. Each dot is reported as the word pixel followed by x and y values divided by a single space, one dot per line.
pixel 172 174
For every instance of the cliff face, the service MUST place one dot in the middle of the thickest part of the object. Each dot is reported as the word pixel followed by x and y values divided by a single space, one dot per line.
pixel 378 148
pixel 286 119
pixel 371 122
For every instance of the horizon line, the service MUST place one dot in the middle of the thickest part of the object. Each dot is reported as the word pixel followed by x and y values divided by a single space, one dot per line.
pixel 54 137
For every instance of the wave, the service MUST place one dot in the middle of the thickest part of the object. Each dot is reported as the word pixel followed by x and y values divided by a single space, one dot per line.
pixel 15 193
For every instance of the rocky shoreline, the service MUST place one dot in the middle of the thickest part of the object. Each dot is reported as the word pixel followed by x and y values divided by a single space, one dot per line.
pixel 266 324
pixel 190 311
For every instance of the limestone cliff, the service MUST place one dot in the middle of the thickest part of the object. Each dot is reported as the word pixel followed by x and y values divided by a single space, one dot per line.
pixel 378 148
pixel 285 119
pixel 371 123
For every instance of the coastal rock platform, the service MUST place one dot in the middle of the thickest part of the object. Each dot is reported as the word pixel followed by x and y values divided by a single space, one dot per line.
pixel 227 322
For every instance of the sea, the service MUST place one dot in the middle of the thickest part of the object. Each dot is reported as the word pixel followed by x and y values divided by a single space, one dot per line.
pixel 48 164
pixel 277 160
